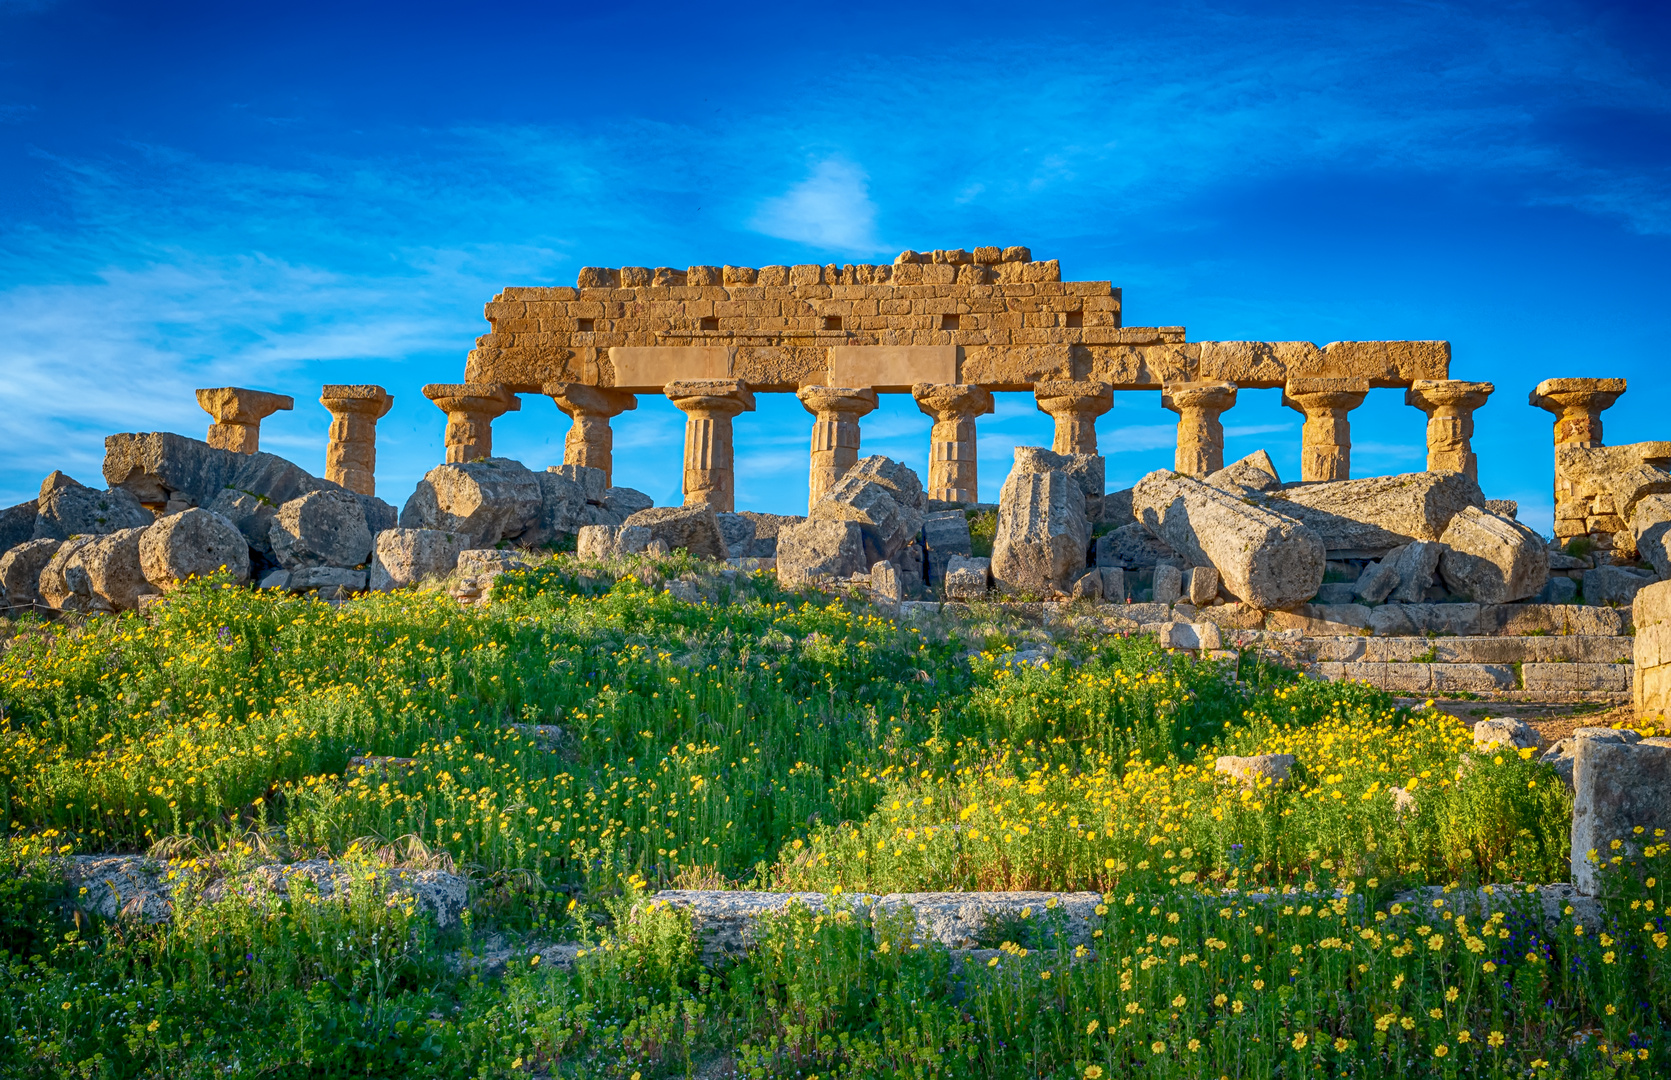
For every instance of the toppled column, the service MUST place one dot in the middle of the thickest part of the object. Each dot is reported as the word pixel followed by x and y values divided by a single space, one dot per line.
pixel 1326 438
pixel 471 409
pixel 1200 432
pixel 709 406
pixel 1449 405
pixel 1075 407
pixel 590 441
pixel 952 475
pixel 835 432
pixel 351 454
pixel 1577 405
pixel 238 414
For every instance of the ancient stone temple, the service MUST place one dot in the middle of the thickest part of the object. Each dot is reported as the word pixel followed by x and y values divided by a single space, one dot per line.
pixel 947 327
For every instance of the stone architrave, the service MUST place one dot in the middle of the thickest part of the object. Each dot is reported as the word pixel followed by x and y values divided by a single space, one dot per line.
pixel 1326 438
pixel 471 409
pixel 1577 405
pixel 238 414
pixel 1449 405
pixel 835 432
pixel 709 406
pixel 351 454
pixel 1200 431
pixel 1075 406
pixel 952 476
pixel 590 440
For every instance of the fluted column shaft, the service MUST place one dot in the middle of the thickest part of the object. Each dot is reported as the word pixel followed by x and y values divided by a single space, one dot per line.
pixel 471 409
pixel 1449 405
pixel 1075 407
pixel 835 433
pixel 1326 437
pixel 351 453
pixel 1200 431
pixel 590 440
pixel 709 406
pixel 237 414
pixel 952 473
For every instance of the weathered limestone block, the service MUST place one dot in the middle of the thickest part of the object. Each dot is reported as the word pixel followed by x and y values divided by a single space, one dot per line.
pixel 20 571
pixel 1133 547
pixel 471 409
pixel 836 412
pixel 1075 407
pixel 1577 405
pixel 1563 755
pixel 1576 678
pixel 1088 586
pixel 192 543
pixel 968 578
pixel 63 581
pixel 1651 651
pixel 1256 769
pixel 1089 471
pixel 1650 525
pixel 1599 488
pixel 1617 788
pixel 1507 733
pixel 479 562
pixel 1492 560
pixel 1614 586
pixel 1262 557
pixel 885 584
pixel 590 440
pixel 1326 436
pixel 1113 584
pixel 1199 406
pixel 322 528
pixel 1376 514
pixel 952 473
pixel 1200 585
pixel 238 414
pixel 738 533
pixel 251 515
pixel 604 542
pixel 709 407
pixel 327 580
pixel 487 501
pixel 351 453
pixel 17 524
pixel 819 548
pixel 115 580
pixel 1198 637
pixel 1256 472
pixel 404 557
pixel 766 528
pixel 626 501
pixel 693 528
pixel 885 498
pixel 1449 405
pixel 1403 575
pixel 68 508
pixel 564 505
pixel 1042 533
pixel 945 536
pixel 1168 585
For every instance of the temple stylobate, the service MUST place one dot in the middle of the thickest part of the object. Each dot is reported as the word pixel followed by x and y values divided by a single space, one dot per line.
pixel 948 327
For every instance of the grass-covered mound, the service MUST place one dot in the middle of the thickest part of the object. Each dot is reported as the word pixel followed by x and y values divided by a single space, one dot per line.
pixel 769 741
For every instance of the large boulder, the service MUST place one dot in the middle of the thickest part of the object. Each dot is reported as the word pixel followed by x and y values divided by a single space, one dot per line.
pixel 17 524
pixel 766 529
pixel 1621 792
pixel 63 581
pixel 1650 616
pixel 737 532
pixel 1263 558
pixel 694 528
pixel 68 508
pixel 1370 517
pixel 322 528
pixel 1650 524
pixel 1492 559
pixel 626 501
pixel 884 498
pixel 251 515
pixel 1403 575
pixel 20 571
pixel 159 468
pixel 114 578
pixel 1042 533
pixel 1133 547
pixel 403 557
pixel 192 543
pixel 819 548
pixel 1256 472
pixel 489 501
pixel 945 537
pixel 564 507
pixel 1614 586
pixel 1089 471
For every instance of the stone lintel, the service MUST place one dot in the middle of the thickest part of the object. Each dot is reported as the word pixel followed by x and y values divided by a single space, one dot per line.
pixel 652 368
pixel 892 369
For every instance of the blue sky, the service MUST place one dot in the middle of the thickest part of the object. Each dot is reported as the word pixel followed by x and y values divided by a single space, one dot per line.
pixel 201 195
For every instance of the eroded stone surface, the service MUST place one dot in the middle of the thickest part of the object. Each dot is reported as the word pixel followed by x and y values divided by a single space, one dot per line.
pixel 1379 513
pixel 1492 559
pixel 192 543
pixel 404 557
pixel 1618 787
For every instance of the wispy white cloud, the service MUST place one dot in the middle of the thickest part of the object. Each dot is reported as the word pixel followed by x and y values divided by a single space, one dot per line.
pixel 831 210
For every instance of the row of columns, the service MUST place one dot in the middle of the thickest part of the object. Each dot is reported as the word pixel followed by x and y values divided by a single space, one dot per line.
pixel 351 452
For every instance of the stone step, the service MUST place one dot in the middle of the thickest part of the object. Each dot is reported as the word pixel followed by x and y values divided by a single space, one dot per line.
pixel 1573 648
pixel 1532 679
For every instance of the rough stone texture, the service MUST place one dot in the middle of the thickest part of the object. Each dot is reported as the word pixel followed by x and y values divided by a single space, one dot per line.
pixel 17 524
pixel 1089 471
pixel 1197 637
pixel 68 508
pixel 814 549
pixel 1491 559
pixel 1256 472
pixel 489 501
pixel 322 528
pixel 1113 584
pixel 351 453
pixel 160 467
pixel 1557 590
pixel 967 578
pixel 1167 585
pixel 1075 406
pixel 471 408
pixel 63 582
pixel 766 527
pixel 192 543
pixel 478 561
pixel 1568 678
pixel 1379 513
pixel 945 536
pixel 1116 508
pixel 885 585
pixel 626 501
pixel 1200 585
pixel 1257 769
pixel 113 575
pixel 1598 489
pixel 884 498
pixel 1651 615
pixel 603 542
pixel 1560 619
pixel 836 412
pixel 1564 753
pixel 953 471
pixel 1400 620
pixel 738 533
pixel 1134 547
pixel 20 571
pixel 1614 586
pixel 1403 575
pixel 1617 787
pixel 564 505
pixel 594 484
pixel 1262 557
pixel 1200 438
pixel 404 557
pixel 250 514
pixel 1506 732
pixel 326 579
pixel 1089 586
pixel 693 528
pixel 1650 526
pixel 1042 533
pixel 1449 405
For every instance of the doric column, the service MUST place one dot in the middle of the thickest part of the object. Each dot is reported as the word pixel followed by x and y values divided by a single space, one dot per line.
pixel 238 414
pixel 471 409
pixel 709 406
pixel 1326 438
pixel 1075 407
pixel 1449 405
pixel 835 432
pixel 590 441
pixel 1577 405
pixel 1200 432
pixel 952 475
pixel 351 454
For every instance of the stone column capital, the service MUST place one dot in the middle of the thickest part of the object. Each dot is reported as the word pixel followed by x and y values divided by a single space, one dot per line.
pixel 358 400
pixel 1212 397
pixel 1444 397
pixel 471 409
pixel 600 401
pixel 1577 405
pixel 237 414
pixel 1326 437
pixel 711 397
pixel 847 402
pixel 952 401
pixel 1449 405
pixel 1320 395
pixel 1200 432
pixel 1073 395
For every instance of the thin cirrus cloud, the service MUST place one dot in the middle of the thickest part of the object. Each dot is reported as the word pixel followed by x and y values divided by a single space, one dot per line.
pixel 830 210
